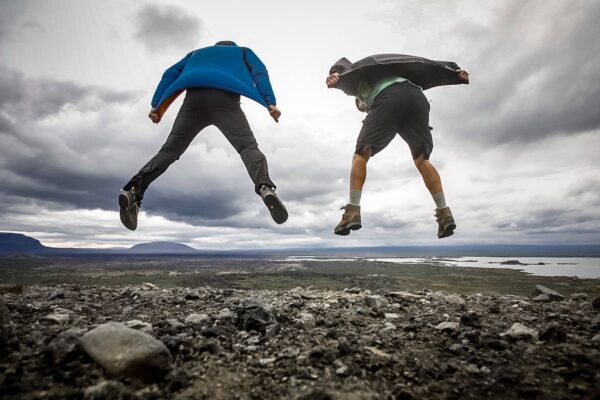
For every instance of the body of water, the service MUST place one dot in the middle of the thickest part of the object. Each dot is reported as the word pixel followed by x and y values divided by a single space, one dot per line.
pixel 582 267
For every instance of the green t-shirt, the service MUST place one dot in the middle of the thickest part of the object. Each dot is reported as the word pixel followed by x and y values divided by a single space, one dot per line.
pixel 367 93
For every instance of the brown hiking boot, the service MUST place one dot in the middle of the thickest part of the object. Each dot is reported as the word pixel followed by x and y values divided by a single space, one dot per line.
pixel 445 220
pixel 350 220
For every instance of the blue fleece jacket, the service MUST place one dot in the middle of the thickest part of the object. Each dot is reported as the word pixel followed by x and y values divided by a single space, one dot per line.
pixel 219 67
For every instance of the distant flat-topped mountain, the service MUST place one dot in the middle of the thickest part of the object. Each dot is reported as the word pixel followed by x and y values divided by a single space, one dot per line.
pixel 162 248
pixel 16 243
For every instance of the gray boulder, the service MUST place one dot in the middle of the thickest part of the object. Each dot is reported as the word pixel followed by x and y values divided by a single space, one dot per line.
pixel 519 332
pixel 552 294
pixel 596 302
pixel 541 298
pixel 553 332
pixel 197 319
pixel 448 327
pixel 64 345
pixel 126 352
pixel 254 316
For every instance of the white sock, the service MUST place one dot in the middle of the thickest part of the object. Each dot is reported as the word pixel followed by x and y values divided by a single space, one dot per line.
pixel 355 197
pixel 440 200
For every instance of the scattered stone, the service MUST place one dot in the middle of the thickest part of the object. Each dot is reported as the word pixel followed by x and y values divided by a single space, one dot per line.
pixel 520 332
pixel 267 361
pixel 107 390
pixel 471 319
pixel 191 295
pixel 254 316
pixel 542 298
pixel 596 338
pixel 344 349
pixel 321 354
pixel 553 332
pixel 57 294
pixel 457 349
pixel 178 300
pixel 376 301
pixel 58 318
pixel 225 314
pixel 596 302
pixel 342 370
pixel 136 324
pixel 305 321
pixel 454 299
pixel 377 352
pixel 497 344
pixel 217 331
pixel 197 319
pixel 149 286
pixel 64 345
pixel 391 316
pixel 126 352
pixel 354 290
pixel 174 323
pixel 289 352
pixel 579 296
pixel 552 294
pixel 404 296
pixel 448 327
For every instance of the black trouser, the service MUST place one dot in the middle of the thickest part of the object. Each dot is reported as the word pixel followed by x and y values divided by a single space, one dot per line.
pixel 203 107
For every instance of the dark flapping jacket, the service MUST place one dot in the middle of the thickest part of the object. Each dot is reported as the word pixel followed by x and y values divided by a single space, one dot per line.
pixel 420 71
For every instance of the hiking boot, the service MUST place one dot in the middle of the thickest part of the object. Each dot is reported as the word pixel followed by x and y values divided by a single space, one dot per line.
pixel 129 205
pixel 446 225
pixel 350 220
pixel 275 206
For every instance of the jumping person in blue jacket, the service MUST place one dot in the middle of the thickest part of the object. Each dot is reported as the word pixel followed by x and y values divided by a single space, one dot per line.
pixel 214 78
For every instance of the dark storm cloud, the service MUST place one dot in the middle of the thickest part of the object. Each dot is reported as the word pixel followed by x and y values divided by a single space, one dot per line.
pixel 36 99
pixel 534 71
pixel 162 28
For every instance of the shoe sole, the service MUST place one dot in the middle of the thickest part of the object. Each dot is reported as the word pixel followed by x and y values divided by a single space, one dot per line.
pixel 345 230
pixel 448 231
pixel 124 214
pixel 276 208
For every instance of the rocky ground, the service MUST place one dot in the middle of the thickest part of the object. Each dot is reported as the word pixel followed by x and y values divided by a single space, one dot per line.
pixel 147 342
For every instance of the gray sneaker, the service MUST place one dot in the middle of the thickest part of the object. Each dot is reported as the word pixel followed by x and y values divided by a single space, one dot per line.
pixel 275 206
pixel 129 206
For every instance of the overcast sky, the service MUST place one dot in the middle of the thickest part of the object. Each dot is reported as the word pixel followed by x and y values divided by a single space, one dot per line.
pixel 518 149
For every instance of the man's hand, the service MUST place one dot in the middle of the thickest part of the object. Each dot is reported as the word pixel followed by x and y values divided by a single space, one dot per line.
pixel 274 112
pixel 153 115
pixel 332 79
pixel 463 75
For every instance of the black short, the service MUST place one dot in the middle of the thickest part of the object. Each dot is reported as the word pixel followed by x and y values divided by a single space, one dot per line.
pixel 402 109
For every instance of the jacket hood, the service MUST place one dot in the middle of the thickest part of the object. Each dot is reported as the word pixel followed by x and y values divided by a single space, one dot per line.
pixel 340 65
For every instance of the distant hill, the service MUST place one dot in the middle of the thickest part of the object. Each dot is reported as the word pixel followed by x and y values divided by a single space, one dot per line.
pixel 162 248
pixel 16 243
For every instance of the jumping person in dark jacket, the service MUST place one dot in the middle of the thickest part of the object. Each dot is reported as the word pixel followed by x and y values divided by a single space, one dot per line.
pixel 389 87
pixel 214 78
